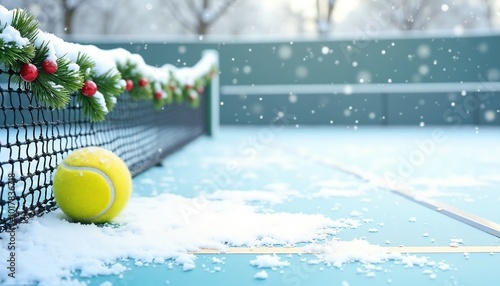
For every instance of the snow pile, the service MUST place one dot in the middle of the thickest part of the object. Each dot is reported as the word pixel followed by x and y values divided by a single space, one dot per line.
pixel 261 275
pixel 269 261
pixel 50 249
pixel 338 253
pixel 276 197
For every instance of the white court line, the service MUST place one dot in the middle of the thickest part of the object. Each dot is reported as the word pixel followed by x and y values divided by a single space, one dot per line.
pixel 480 223
pixel 402 249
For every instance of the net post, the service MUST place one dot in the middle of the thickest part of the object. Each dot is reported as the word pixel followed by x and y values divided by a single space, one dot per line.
pixel 212 112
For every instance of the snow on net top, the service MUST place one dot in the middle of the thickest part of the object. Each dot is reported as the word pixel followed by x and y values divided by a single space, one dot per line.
pixel 187 76
pixel 162 74
pixel 105 61
pixel 59 48
pixel 9 35
pixel 6 16
pixel 123 57
pixel 99 97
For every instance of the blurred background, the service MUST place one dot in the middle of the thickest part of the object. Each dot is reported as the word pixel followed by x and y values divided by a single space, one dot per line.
pixel 327 62
pixel 259 17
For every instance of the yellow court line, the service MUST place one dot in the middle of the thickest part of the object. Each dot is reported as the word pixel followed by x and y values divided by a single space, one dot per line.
pixel 400 249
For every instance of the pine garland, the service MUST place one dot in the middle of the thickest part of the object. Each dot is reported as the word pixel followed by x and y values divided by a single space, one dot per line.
pixel 11 53
pixel 176 90
pixel 27 27
pixel 110 87
pixel 49 68
pixel 92 109
pixel 26 23
pixel 70 78
pixel 52 89
pixel 140 91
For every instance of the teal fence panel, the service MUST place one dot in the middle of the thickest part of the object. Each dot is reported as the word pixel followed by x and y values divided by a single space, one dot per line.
pixel 406 80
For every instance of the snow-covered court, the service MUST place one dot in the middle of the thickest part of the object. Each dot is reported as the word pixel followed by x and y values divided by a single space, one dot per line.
pixel 291 206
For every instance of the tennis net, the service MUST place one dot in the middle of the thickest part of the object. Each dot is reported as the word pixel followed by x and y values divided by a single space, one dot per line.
pixel 35 138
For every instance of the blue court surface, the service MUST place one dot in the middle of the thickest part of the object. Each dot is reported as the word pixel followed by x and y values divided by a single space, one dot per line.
pixel 292 206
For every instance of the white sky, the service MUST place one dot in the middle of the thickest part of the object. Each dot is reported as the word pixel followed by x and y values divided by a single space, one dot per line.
pixel 342 9
pixel 307 9
pixel 342 12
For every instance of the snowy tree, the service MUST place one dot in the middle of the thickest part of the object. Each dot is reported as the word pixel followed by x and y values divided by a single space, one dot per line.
pixel 324 10
pixel 256 17
pixel 196 16
pixel 108 20
pixel 410 15
pixel 428 14
pixel 66 9
pixel 492 8
pixel 69 8
pixel 46 12
pixel 54 16
pixel 298 17
pixel 105 18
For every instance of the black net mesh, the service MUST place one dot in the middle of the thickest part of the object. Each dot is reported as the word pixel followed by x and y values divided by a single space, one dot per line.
pixel 35 138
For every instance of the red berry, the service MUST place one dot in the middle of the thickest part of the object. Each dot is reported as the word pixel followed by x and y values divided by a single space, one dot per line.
pixel 49 66
pixel 158 95
pixel 200 89
pixel 188 86
pixel 89 88
pixel 129 84
pixel 29 72
pixel 192 96
pixel 143 82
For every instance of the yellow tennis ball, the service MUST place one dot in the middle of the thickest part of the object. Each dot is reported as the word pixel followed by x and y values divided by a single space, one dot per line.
pixel 92 185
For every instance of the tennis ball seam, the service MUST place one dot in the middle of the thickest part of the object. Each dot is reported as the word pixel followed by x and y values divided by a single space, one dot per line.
pixel 105 177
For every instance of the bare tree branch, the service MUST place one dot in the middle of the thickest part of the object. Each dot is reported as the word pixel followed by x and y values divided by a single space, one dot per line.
pixel 331 5
pixel 408 15
pixel 192 14
pixel 69 12
pixel 324 20
pixel 489 12
pixel 174 10
pixel 221 11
